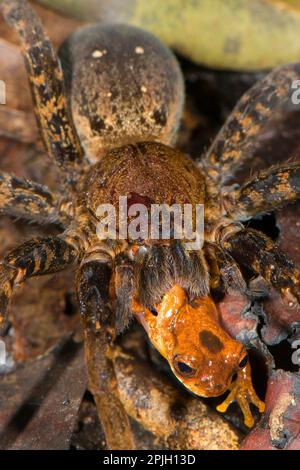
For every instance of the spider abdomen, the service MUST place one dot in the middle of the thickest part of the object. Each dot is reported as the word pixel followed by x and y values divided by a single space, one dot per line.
pixel 124 86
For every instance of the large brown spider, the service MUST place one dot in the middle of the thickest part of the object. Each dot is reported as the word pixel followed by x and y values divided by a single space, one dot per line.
pixel 114 149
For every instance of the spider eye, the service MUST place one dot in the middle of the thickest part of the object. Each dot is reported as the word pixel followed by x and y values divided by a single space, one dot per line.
pixel 183 368
pixel 243 362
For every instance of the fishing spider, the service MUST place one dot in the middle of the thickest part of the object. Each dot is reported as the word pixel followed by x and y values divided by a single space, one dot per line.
pixel 117 146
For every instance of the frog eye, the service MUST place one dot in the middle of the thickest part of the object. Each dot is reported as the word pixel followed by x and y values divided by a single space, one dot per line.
pixel 153 311
pixel 243 362
pixel 183 368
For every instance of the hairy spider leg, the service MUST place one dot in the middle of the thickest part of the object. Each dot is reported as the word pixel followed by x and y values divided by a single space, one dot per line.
pixel 268 190
pixel 252 248
pixel 29 200
pixel 224 269
pixel 237 139
pixel 47 87
pixel 124 291
pixel 33 258
pixel 93 279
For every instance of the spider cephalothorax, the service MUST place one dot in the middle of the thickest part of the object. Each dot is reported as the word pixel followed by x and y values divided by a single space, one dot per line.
pixel 121 109
pixel 144 173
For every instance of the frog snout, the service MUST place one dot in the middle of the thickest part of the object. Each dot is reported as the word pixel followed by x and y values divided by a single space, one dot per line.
pixel 212 387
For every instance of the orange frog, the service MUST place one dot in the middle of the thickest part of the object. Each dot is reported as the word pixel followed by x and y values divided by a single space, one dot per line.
pixel 201 354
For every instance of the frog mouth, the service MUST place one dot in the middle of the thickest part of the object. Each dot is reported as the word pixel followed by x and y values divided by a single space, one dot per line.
pixel 216 390
pixel 199 389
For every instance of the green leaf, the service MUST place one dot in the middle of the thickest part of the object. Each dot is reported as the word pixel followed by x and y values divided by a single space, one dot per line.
pixel 226 34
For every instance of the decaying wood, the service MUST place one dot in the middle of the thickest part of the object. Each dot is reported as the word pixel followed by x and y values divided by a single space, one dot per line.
pixel 180 420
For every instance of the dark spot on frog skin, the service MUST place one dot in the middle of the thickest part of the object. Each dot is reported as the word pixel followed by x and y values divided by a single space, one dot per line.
pixel 210 341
